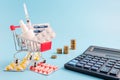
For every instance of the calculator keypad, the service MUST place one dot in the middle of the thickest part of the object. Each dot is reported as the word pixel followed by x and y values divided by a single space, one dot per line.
pixel 97 64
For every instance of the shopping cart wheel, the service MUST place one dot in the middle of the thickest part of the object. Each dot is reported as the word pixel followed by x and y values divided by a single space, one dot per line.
pixel 35 64
pixel 30 57
pixel 16 61
pixel 44 61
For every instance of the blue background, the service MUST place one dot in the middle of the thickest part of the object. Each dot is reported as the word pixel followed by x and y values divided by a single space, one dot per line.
pixel 90 22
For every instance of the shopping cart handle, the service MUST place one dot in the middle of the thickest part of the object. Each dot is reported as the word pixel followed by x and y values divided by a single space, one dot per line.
pixel 12 27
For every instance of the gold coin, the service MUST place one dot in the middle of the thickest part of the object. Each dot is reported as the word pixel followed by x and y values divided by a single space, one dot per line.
pixel 53 57
pixel 66 49
pixel 59 50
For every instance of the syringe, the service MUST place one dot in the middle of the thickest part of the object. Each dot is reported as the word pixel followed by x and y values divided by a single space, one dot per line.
pixel 27 17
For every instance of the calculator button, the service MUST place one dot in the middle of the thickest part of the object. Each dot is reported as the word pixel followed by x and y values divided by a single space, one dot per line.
pixel 81 57
pixel 117 67
pixel 71 63
pixel 82 62
pixel 112 60
pixel 86 60
pixel 95 59
pixel 109 65
pixel 93 68
pixel 75 61
pixel 105 70
pixel 79 65
pixel 91 64
pixel 87 66
pixel 96 65
pixel 104 59
pixel 90 56
pixel 100 63
pixel 118 64
pixel 114 72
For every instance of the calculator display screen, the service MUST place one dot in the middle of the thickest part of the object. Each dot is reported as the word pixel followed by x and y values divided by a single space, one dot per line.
pixel 105 51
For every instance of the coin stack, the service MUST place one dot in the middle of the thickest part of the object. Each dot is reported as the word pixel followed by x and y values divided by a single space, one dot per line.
pixel 73 44
pixel 59 50
pixel 53 57
pixel 66 49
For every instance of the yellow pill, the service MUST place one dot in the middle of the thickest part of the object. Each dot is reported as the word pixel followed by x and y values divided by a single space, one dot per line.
pixel 28 55
pixel 23 62
pixel 18 68
pixel 12 65
pixel 36 58
pixel 24 59
pixel 7 68
pixel 23 66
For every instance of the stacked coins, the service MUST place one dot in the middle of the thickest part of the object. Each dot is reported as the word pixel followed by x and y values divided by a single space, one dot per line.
pixel 59 50
pixel 66 49
pixel 53 57
pixel 73 44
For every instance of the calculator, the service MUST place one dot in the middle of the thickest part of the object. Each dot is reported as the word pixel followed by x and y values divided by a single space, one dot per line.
pixel 97 61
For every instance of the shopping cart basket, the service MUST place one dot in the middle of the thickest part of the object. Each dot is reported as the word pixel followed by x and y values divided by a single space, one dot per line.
pixel 22 44
pixel 30 46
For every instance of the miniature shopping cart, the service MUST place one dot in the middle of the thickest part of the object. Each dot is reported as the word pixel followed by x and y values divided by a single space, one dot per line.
pixel 22 44
pixel 34 49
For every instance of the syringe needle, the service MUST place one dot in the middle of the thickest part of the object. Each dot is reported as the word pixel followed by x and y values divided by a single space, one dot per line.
pixel 26 12
pixel 27 17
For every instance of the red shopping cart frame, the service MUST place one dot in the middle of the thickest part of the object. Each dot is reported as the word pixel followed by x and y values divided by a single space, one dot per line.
pixel 45 46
